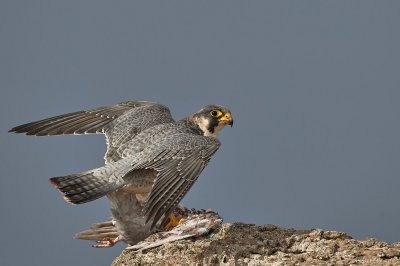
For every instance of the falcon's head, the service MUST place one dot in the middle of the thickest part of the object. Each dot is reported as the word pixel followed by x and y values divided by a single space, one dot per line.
pixel 212 118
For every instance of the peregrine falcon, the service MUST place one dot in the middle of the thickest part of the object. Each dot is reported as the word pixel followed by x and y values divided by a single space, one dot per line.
pixel 151 161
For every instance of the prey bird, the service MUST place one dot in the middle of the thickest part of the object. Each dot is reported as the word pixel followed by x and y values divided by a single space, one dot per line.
pixel 151 162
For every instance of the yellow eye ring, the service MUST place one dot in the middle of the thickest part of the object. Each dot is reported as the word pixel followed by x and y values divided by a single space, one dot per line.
pixel 216 113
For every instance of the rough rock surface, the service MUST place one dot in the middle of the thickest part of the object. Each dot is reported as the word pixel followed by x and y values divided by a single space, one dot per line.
pixel 248 244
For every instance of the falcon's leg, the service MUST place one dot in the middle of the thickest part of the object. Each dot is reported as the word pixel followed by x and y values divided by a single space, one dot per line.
pixel 173 221
pixel 107 243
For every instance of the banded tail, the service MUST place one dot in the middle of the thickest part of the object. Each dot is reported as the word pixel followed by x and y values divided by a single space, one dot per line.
pixel 83 187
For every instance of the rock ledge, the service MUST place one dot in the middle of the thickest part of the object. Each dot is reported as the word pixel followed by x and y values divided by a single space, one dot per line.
pixel 248 244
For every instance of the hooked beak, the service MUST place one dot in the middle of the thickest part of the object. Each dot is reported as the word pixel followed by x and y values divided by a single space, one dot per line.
pixel 226 119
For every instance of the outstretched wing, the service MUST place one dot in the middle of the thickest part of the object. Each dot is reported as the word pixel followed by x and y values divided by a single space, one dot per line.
pixel 179 161
pixel 82 122
pixel 120 123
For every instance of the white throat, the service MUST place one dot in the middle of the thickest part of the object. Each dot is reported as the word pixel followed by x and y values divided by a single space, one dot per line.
pixel 203 124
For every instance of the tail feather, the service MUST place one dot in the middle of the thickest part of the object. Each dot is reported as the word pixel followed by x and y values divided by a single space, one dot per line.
pixel 83 187
pixel 99 232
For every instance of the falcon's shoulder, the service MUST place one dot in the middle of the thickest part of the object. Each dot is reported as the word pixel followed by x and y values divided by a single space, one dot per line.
pixel 123 131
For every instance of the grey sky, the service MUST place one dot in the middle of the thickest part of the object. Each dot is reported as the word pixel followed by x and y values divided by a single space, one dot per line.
pixel 313 87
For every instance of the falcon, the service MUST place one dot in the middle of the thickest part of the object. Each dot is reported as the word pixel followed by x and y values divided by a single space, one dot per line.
pixel 151 161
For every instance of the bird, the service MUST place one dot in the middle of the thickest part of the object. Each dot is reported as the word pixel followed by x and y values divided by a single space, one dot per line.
pixel 196 223
pixel 151 161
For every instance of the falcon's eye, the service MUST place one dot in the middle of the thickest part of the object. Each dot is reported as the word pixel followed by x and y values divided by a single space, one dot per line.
pixel 216 113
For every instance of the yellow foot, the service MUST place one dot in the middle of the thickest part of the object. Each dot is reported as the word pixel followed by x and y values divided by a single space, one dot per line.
pixel 173 221
pixel 107 243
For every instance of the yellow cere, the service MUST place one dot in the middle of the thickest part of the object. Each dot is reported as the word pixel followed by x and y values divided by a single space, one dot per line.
pixel 226 117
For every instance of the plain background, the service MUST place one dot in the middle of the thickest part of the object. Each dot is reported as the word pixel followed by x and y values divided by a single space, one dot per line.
pixel 313 87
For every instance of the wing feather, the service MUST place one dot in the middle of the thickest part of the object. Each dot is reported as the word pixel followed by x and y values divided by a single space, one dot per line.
pixel 34 127
pixel 81 122
pixel 68 126
pixel 120 123
pixel 178 167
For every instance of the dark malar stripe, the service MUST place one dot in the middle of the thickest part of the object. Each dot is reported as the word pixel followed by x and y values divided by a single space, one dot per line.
pixel 213 124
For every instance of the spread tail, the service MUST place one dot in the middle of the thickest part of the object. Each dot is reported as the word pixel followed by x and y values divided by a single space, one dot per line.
pixel 83 187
